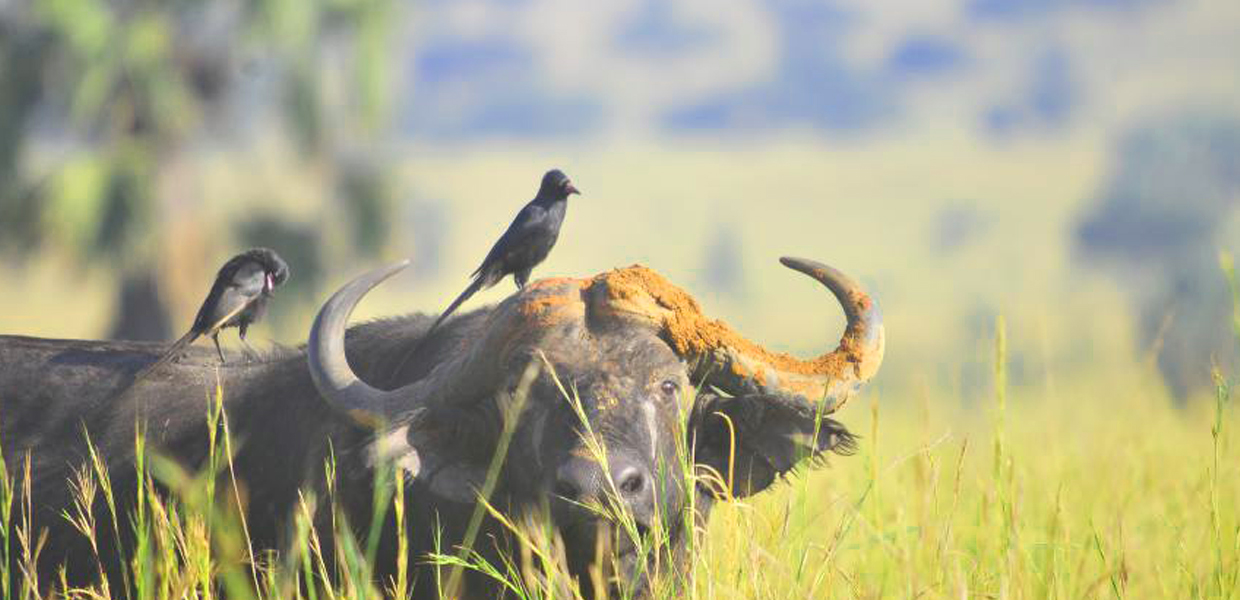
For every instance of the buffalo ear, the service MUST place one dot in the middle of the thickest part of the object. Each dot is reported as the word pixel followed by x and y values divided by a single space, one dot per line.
pixel 448 451
pixel 756 438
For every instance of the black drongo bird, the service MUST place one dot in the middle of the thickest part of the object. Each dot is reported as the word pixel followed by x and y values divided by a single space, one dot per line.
pixel 525 244
pixel 238 298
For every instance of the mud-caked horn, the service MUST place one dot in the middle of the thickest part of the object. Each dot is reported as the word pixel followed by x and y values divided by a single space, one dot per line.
pixel 725 359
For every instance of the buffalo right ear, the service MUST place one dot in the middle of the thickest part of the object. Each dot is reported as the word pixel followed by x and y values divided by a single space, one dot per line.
pixel 749 441
pixel 424 456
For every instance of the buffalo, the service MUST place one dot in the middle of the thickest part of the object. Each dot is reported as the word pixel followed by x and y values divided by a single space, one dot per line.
pixel 618 411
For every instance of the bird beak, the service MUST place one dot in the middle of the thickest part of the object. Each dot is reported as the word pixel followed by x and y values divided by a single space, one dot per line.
pixel 270 284
pixel 570 189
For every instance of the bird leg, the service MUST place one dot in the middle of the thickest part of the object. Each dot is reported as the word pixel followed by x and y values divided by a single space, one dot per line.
pixel 215 337
pixel 249 350
pixel 521 278
pixel 250 353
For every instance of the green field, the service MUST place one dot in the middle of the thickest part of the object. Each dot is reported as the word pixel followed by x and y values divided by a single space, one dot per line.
pixel 1070 477
pixel 1052 497
pixel 1030 496
pixel 1019 440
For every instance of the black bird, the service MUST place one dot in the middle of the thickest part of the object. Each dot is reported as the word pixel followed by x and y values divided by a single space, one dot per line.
pixel 525 244
pixel 238 298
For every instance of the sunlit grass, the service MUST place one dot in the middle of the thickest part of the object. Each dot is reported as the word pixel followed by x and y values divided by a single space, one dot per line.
pixel 1059 500
pixel 1039 497
pixel 1093 487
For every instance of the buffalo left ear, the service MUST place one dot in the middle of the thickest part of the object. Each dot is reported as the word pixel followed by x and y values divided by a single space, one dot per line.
pixel 749 441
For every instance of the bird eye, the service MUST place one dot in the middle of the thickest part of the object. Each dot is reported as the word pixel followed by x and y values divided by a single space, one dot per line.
pixel 669 387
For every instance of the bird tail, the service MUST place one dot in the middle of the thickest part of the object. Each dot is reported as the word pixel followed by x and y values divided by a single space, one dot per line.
pixel 170 354
pixel 465 295
pixel 478 283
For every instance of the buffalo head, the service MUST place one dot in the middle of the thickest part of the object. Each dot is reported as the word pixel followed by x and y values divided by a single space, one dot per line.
pixel 636 406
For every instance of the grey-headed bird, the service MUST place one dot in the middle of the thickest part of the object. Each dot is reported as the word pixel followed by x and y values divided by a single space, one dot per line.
pixel 238 298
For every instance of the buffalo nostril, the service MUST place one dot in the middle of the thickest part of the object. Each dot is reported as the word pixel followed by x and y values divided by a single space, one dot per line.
pixel 631 482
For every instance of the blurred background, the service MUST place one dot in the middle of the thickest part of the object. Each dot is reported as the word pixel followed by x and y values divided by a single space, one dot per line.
pixel 1073 165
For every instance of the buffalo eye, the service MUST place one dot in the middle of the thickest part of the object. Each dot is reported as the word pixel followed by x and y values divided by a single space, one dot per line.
pixel 669 388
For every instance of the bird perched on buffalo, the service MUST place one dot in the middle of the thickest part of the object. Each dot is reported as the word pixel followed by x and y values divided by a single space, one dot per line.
pixel 238 298
pixel 525 244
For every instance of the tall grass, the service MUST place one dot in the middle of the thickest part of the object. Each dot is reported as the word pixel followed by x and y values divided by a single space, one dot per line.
pixel 1081 495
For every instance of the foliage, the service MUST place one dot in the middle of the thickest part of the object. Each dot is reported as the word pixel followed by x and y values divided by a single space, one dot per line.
pixel 1160 216
pixel 106 108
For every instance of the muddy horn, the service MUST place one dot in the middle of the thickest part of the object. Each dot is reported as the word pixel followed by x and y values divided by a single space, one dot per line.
pixel 739 366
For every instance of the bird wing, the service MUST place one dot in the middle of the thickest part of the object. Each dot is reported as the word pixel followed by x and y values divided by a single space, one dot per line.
pixel 233 305
pixel 231 294
pixel 527 223
pixel 206 313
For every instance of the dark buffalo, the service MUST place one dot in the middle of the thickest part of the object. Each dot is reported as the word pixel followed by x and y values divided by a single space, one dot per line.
pixel 623 364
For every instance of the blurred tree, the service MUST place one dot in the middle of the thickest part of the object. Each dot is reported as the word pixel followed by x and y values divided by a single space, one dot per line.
pixel 723 269
pixel 123 90
pixel 23 56
pixel 1158 224
pixel 427 225
pixel 367 196
pixel 148 318
pixel 957 225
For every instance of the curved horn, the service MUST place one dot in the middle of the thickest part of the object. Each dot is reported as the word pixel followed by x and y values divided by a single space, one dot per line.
pixel 329 368
pixel 466 374
pixel 739 366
